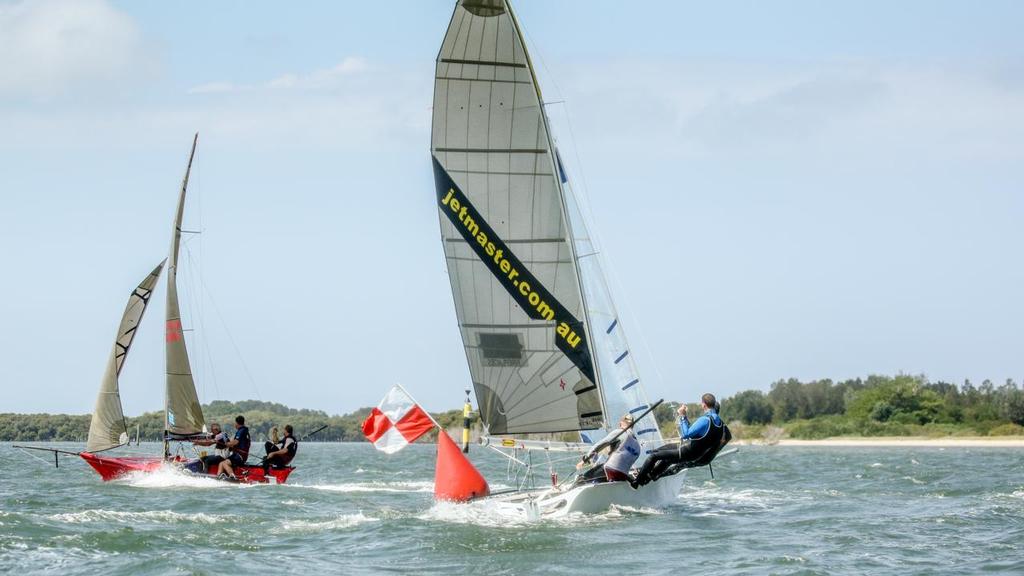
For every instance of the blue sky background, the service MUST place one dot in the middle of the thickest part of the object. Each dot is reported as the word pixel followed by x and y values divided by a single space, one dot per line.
pixel 786 189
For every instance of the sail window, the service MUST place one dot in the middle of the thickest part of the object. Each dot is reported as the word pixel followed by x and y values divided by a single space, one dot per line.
pixel 501 349
pixel 484 8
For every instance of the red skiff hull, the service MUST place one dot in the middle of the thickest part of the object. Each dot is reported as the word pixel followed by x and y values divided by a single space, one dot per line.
pixel 110 468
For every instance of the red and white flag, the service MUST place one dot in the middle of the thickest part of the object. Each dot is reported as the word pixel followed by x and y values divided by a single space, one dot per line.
pixel 396 422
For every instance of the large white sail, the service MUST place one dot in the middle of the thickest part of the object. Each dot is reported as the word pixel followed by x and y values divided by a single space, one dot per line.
pixel 108 428
pixel 184 416
pixel 506 236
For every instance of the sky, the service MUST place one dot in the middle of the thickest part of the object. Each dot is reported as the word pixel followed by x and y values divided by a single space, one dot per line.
pixel 786 189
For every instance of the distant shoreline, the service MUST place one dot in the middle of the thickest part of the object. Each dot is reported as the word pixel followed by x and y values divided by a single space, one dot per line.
pixel 901 441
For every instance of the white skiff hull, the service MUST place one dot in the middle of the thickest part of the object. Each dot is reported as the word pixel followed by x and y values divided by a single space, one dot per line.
pixel 595 498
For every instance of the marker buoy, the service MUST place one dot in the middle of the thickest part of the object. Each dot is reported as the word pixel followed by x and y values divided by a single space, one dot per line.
pixel 455 478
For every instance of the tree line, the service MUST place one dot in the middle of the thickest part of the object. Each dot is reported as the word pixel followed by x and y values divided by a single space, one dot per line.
pixel 881 406
pixel 260 417
pixel 874 406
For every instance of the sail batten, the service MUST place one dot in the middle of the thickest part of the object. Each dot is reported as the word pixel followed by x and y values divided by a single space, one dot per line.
pixel 506 237
pixel 183 414
pixel 108 428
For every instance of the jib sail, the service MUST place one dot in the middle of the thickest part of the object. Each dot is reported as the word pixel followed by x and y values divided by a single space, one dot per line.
pixel 108 428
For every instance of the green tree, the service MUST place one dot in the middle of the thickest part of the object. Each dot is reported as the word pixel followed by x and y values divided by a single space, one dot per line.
pixel 787 399
pixel 749 407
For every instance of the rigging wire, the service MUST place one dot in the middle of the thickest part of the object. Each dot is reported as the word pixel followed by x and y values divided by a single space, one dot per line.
pixel 231 338
pixel 583 201
pixel 196 311
pixel 207 358
pixel 40 458
pixel 199 301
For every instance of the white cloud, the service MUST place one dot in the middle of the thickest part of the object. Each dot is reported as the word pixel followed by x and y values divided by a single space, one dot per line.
pixel 744 110
pixel 323 78
pixel 351 106
pixel 217 88
pixel 49 47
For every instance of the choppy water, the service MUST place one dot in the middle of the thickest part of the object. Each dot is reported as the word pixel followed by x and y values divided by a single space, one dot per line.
pixel 351 510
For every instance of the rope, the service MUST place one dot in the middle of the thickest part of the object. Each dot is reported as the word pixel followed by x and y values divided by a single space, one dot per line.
pixel 197 315
pixel 23 451
pixel 231 338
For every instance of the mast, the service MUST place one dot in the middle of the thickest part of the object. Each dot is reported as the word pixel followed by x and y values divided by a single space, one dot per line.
pixel 556 169
pixel 620 369
pixel 183 415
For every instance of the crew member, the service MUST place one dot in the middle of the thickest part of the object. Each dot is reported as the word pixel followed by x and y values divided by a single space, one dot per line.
pixel 280 454
pixel 698 443
pixel 239 447
pixel 625 449
pixel 218 440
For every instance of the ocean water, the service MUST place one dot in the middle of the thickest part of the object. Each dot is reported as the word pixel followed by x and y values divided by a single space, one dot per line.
pixel 350 510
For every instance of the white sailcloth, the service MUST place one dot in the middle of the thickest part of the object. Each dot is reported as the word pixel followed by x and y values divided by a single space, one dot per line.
pixel 506 237
pixel 108 428
pixel 620 379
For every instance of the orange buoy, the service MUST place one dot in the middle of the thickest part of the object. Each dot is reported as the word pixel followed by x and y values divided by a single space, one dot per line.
pixel 456 479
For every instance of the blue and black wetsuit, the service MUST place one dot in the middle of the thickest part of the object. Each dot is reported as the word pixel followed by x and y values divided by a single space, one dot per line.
pixel 701 427
pixel 698 445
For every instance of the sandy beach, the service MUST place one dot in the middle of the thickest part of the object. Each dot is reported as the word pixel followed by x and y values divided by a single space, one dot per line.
pixel 908 441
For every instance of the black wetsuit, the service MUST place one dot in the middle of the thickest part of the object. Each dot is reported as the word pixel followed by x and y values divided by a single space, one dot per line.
pixel 699 449
pixel 281 460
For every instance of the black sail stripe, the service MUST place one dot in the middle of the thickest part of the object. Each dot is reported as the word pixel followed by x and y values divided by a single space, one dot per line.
pixel 570 335
pixel 481 63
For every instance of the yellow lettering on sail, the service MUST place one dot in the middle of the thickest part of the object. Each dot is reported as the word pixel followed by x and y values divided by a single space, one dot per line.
pixel 563 329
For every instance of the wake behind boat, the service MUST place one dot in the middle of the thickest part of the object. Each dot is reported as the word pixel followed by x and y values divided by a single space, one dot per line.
pixel 546 348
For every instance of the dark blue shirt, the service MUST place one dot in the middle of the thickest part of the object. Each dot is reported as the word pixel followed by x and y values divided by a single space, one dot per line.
pixel 244 441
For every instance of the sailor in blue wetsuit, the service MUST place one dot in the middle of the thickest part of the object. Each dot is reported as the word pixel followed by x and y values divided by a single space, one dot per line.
pixel 699 442
pixel 239 446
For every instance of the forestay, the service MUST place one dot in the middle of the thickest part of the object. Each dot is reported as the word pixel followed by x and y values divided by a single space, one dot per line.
pixel 184 416
pixel 108 428
pixel 620 379
pixel 506 239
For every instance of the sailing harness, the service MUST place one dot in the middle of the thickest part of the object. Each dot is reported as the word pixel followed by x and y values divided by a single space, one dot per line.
pixel 701 451
pixel 292 447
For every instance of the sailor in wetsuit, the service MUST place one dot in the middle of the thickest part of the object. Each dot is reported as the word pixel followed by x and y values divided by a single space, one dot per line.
pixel 625 449
pixel 239 446
pixel 280 453
pixel 698 443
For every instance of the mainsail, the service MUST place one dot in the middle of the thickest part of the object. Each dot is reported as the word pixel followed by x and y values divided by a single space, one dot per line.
pixel 507 239
pixel 184 416
pixel 108 428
